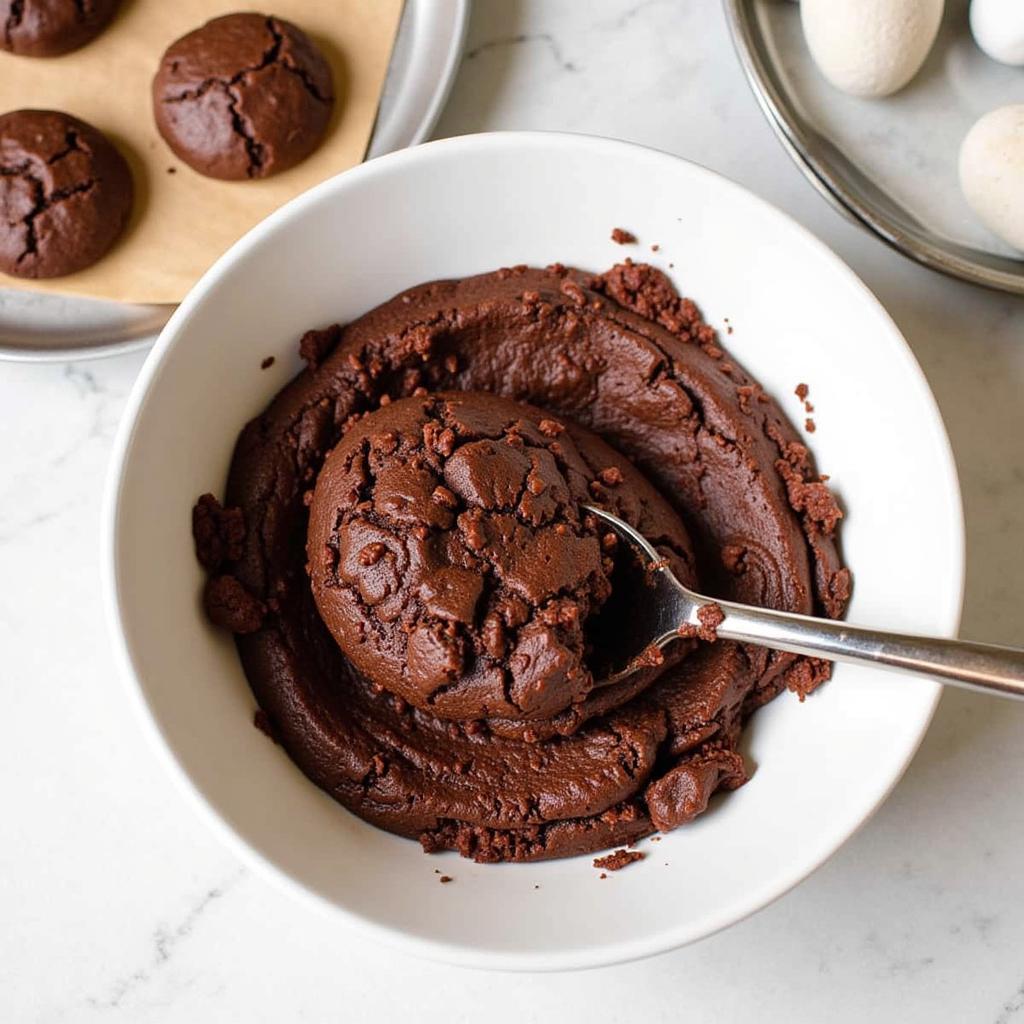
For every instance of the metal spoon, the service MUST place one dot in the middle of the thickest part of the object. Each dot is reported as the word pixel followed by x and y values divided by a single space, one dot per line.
pixel 658 605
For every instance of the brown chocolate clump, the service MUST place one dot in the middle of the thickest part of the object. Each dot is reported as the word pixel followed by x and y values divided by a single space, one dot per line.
pixel 229 605
pixel 709 618
pixel 65 194
pixel 219 532
pixel 315 346
pixel 806 675
pixel 262 721
pixel 244 96
pixel 618 860
pixel 623 237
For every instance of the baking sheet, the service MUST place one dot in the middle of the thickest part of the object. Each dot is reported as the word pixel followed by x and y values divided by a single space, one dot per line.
pixel 183 221
pixel 908 143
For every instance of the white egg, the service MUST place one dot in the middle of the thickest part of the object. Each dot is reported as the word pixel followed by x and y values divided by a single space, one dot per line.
pixel 998 27
pixel 870 47
pixel 992 172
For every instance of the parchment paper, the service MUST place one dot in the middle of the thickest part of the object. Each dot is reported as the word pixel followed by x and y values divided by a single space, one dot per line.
pixel 183 221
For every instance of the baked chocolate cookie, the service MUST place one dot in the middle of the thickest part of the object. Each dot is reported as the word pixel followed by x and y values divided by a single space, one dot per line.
pixel 245 96
pixel 65 193
pixel 48 28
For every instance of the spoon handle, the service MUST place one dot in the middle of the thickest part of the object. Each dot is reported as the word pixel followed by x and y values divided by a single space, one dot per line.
pixel 974 666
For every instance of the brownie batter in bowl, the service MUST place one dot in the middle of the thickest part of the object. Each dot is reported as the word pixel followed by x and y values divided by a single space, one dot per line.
pixel 382 557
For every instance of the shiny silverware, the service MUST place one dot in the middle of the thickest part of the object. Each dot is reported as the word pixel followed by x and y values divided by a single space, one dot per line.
pixel 659 609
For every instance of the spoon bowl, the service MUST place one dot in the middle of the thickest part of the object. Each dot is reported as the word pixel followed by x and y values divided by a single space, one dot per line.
pixel 661 609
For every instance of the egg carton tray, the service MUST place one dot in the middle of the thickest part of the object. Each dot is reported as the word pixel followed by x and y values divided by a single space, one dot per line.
pixel 890 165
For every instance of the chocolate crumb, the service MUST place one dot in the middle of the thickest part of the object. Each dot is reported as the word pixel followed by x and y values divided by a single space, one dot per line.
pixel 262 722
pixel 618 860
pixel 316 346
pixel 711 617
pixel 810 425
pixel 602 876
pixel 650 657
pixel 655 247
pixel 623 237
pixel 229 605
pixel 372 553
pixel 267 363
pixel 218 532
pixel 445 879
pixel 802 391
pixel 172 170
pixel 806 675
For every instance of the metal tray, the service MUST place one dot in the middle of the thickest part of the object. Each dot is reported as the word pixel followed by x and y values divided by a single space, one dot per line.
pixel 958 84
pixel 39 327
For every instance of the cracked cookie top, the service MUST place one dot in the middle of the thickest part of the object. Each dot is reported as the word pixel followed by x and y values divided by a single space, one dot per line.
pixel 65 194
pixel 244 96
pixel 451 560
pixel 48 28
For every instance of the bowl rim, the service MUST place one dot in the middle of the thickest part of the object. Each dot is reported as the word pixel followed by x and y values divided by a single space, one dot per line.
pixel 449 952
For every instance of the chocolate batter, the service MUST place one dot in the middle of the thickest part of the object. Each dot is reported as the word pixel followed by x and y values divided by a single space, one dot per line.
pixel 450 560
pixel 394 724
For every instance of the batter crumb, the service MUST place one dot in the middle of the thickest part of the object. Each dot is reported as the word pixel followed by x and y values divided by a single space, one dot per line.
pixel 262 722
pixel 315 346
pixel 218 532
pixel 229 605
pixel 806 675
pixel 618 860
pixel 711 617
pixel 623 237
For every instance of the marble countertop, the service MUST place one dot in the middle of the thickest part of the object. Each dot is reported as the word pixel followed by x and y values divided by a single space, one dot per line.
pixel 118 904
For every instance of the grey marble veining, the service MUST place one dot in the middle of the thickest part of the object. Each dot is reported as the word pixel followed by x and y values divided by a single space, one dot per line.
pixel 118 904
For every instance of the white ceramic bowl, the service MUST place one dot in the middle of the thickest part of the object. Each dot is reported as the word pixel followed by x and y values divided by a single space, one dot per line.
pixel 472 204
